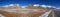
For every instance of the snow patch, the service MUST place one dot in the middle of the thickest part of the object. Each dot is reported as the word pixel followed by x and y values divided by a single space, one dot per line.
pixel 1 15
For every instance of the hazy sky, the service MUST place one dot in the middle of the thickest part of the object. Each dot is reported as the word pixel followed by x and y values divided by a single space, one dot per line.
pixel 26 2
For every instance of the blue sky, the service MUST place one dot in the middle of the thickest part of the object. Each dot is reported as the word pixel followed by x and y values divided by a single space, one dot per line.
pixel 26 2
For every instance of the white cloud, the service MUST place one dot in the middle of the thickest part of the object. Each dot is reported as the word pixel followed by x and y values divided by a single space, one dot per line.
pixel 54 7
pixel 43 6
pixel 5 6
pixel 49 6
pixel 10 5
pixel 36 5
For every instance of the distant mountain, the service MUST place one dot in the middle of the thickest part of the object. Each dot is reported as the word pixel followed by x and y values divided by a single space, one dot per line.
pixel 34 6
pixel 30 10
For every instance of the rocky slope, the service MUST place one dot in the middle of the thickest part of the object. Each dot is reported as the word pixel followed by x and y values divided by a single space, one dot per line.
pixel 30 11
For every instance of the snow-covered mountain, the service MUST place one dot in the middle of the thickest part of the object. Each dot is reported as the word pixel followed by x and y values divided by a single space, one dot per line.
pixel 38 11
pixel 45 6
pixel 11 5
pixel 34 5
